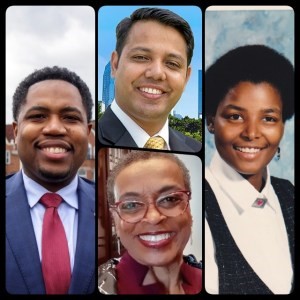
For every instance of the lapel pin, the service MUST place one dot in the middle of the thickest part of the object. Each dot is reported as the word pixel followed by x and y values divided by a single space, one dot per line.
pixel 260 202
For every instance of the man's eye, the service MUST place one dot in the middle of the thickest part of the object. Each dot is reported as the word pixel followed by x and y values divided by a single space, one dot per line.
pixel 173 65
pixel 140 58
pixel 72 118
pixel 37 117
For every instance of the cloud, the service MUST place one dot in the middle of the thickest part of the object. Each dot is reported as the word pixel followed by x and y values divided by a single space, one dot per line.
pixel 39 36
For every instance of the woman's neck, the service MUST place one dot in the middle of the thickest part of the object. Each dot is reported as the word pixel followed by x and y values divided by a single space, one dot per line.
pixel 256 180
pixel 169 276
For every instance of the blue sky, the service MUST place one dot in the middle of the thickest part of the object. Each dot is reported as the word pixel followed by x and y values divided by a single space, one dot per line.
pixel 110 16
pixel 271 26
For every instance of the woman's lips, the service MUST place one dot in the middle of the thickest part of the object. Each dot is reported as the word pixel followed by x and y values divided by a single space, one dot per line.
pixel 248 153
pixel 248 149
pixel 156 240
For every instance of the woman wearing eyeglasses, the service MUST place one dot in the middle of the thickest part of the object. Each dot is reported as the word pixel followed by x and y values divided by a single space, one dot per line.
pixel 149 194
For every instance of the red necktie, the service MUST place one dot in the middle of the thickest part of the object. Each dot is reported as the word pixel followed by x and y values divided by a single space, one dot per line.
pixel 55 254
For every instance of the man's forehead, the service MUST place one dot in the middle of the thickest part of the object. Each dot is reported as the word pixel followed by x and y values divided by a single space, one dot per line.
pixel 49 83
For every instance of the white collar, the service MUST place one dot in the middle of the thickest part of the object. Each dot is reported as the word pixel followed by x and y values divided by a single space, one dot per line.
pixel 35 191
pixel 259 233
pixel 139 135
pixel 234 185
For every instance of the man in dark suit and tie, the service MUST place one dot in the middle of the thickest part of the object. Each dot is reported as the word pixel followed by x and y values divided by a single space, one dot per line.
pixel 50 247
pixel 151 66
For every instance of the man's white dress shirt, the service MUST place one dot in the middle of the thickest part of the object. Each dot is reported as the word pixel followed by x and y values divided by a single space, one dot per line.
pixel 139 135
pixel 67 210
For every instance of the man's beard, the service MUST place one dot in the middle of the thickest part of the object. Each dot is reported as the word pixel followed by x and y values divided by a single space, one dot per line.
pixel 54 176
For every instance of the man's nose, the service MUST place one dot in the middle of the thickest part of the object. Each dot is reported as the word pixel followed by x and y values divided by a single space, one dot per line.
pixel 55 126
pixel 156 71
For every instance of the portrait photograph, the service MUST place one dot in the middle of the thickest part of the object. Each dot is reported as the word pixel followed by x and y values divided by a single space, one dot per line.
pixel 150 88
pixel 150 215
pixel 249 149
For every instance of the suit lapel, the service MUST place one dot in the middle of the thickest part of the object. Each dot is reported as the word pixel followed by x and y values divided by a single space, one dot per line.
pixel 111 131
pixel 177 141
pixel 83 276
pixel 21 237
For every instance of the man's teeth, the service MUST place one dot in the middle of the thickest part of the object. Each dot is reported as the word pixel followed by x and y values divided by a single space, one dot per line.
pixel 156 237
pixel 55 150
pixel 248 150
pixel 151 91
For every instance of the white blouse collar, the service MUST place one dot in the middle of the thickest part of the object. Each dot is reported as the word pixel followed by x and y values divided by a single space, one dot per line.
pixel 234 185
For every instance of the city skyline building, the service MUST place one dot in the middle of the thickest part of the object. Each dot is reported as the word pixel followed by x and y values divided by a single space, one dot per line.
pixel 200 94
pixel 108 90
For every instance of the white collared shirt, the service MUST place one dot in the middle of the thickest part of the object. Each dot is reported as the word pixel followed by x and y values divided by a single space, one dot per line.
pixel 259 233
pixel 67 210
pixel 139 135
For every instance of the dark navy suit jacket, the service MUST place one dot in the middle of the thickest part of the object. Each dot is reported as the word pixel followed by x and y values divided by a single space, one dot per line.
pixel 111 132
pixel 23 267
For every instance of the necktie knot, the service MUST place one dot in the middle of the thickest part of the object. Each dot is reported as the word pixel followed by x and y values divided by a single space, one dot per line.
pixel 155 142
pixel 51 200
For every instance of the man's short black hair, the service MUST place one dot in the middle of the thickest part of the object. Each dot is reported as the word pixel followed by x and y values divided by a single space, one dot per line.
pixel 55 73
pixel 253 63
pixel 163 16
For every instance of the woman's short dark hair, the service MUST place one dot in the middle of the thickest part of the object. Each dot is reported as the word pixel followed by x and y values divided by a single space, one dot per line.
pixel 137 156
pixel 253 63
pixel 55 73
pixel 163 16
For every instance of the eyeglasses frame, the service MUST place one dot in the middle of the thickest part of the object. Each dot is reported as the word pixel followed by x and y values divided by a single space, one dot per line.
pixel 115 206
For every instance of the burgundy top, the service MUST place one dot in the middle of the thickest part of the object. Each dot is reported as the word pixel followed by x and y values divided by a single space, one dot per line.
pixel 131 275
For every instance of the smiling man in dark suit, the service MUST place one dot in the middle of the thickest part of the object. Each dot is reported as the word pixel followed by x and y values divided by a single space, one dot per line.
pixel 151 66
pixel 52 113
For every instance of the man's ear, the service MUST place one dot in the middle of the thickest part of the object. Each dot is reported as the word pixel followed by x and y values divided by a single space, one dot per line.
pixel 210 122
pixel 188 74
pixel 15 128
pixel 89 127
pixel 114 60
